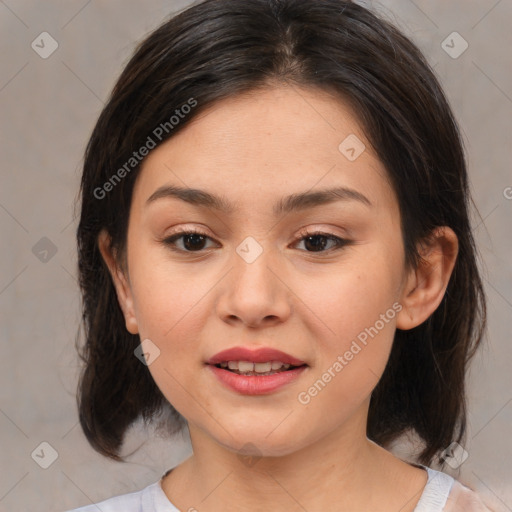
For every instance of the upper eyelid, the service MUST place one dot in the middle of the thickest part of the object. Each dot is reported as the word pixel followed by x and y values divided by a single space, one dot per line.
pixel 341 241
pixel 302 233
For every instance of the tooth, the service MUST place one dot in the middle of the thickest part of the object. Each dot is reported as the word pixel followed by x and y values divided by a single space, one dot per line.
pixel 223 365
pixel 276 365
pixel 245 366
pixel 286 366
pixel 262 367
pixel 233 365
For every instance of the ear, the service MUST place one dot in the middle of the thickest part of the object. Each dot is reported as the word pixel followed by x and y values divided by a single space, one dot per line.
pixel 122 286
pixel 425 286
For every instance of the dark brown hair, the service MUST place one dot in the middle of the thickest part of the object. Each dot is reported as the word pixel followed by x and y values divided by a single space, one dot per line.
pixel 220 48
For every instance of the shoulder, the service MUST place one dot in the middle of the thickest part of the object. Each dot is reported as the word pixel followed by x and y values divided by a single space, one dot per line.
pixel 132 502
pixel 463 499
pixel 443 493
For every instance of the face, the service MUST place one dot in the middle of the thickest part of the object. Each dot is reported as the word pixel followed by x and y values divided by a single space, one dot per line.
pixel 321 282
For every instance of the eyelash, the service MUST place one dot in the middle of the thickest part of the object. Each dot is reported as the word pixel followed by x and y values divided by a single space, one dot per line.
pixel 340 242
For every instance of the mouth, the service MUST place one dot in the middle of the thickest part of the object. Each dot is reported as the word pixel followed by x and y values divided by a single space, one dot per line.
pixel 245 356
pixel 249 368
pixel 255 371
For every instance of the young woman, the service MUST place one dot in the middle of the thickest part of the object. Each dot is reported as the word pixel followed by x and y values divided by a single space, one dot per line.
pixel 275 250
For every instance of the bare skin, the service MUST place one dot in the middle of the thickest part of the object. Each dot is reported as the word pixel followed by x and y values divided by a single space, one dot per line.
pixel 253 150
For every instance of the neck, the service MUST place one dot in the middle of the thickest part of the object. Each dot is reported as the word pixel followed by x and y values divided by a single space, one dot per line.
pixel 336 469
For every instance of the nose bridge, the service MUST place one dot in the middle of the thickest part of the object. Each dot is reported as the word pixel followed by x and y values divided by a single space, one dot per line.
pixel 255 291
pixel 252 266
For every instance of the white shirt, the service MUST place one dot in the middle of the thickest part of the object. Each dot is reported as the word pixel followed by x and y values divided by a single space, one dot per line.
pixel 441 494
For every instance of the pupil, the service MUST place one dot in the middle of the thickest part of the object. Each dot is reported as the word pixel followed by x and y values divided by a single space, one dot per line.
pixel 314 242
pixel 195 238
pixel 315 245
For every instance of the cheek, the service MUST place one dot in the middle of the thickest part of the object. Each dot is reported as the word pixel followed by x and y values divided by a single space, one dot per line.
pixel 355 314
pixel 348 298
pixel 167 298
pixel 171 308
pixel 167 312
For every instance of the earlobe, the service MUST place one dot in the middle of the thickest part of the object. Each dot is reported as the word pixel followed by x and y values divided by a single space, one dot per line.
pixel 426 285
pixel 123 289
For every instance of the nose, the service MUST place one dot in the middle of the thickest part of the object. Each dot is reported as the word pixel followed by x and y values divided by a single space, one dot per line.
pixel 255 293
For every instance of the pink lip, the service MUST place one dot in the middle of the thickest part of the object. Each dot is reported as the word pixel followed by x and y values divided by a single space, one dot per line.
pixel 256 384
pixel 257 355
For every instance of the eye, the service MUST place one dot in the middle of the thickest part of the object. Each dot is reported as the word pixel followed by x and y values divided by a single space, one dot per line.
pixel 193 241
pixel 317 240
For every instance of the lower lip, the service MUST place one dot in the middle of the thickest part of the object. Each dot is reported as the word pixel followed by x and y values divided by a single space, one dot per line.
pixel 256 384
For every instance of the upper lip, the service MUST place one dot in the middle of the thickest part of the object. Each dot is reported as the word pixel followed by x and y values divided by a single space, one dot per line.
pixel 254 355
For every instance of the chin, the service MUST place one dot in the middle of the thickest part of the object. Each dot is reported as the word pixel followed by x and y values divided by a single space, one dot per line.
pixel 260 444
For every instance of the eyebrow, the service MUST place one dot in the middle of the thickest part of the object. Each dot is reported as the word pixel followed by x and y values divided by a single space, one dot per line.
pixel 293 202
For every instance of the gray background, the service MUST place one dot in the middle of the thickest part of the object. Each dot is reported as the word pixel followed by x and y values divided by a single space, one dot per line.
pixel 48 109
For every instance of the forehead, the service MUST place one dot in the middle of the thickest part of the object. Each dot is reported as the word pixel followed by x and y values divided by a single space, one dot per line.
pixel 254 148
